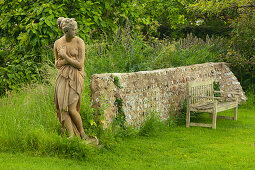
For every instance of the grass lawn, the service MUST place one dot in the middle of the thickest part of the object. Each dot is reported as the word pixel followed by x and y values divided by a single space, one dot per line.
pixel 230 146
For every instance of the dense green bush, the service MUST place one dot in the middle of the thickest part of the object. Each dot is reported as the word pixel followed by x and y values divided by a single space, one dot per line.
pixel 240 49
pixel 20 70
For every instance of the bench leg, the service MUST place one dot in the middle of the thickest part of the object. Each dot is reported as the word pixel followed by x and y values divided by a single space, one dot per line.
pixel 235 112
pixel 214 118
pixel 188 118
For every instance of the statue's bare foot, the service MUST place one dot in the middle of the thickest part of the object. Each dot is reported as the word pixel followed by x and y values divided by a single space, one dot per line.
pixel 84 136
pixel 93 141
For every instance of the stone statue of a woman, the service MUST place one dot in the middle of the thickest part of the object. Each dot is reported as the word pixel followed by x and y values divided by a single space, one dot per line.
pixel 69 53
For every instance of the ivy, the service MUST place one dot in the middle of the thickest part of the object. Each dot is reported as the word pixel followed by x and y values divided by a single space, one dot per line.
pixel 120 118
pixel 116 81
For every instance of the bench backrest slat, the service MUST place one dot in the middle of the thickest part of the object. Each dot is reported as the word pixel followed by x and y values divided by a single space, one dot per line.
pixel 201 88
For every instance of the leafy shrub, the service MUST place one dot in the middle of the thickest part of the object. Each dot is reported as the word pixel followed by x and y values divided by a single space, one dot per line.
pixel 242 35
pixel 242 52
pixel 239 50
pixel 20 70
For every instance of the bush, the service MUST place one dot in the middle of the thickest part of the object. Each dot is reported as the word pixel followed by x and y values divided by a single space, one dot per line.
pixel 239 50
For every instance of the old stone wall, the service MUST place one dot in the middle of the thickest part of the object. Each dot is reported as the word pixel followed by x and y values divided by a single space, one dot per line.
pixel 159 91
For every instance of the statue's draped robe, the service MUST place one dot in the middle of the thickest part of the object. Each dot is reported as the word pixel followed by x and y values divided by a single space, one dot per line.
pixel 68 89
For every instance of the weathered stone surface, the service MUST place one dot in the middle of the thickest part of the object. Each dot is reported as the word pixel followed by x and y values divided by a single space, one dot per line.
pixel 159 91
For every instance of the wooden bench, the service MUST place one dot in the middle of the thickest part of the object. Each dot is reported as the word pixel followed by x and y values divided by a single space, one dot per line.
pixel 200 98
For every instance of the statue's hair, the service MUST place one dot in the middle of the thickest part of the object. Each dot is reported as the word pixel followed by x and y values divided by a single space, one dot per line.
pixel 64 24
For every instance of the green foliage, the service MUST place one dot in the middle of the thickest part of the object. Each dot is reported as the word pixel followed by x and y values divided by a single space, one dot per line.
pixel 180 116
pixel 186 51
pixel 127 54
pixel 28 28
pixel 150 126
pixel 216 87
pixel 28 123
pixel 224 9
pixel 18 71
pixel 120 118
pixel 251 100
pixel 34 23
pixel 215 17
pixel 122 55
pixel 116 82
pixel 164 14
pixel 240 49
pixel 243 34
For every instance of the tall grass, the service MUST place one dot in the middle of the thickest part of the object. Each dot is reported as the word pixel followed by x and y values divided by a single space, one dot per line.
pixel 28 123
pixel 130 53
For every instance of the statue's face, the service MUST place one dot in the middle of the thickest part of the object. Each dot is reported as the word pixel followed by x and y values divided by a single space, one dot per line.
pixel 71 33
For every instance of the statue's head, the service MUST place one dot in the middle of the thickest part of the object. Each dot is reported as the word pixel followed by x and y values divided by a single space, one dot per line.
pixel 68 25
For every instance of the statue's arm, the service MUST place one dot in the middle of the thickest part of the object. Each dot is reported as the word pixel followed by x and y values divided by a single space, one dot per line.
pixel 77 63
pixel 58 62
